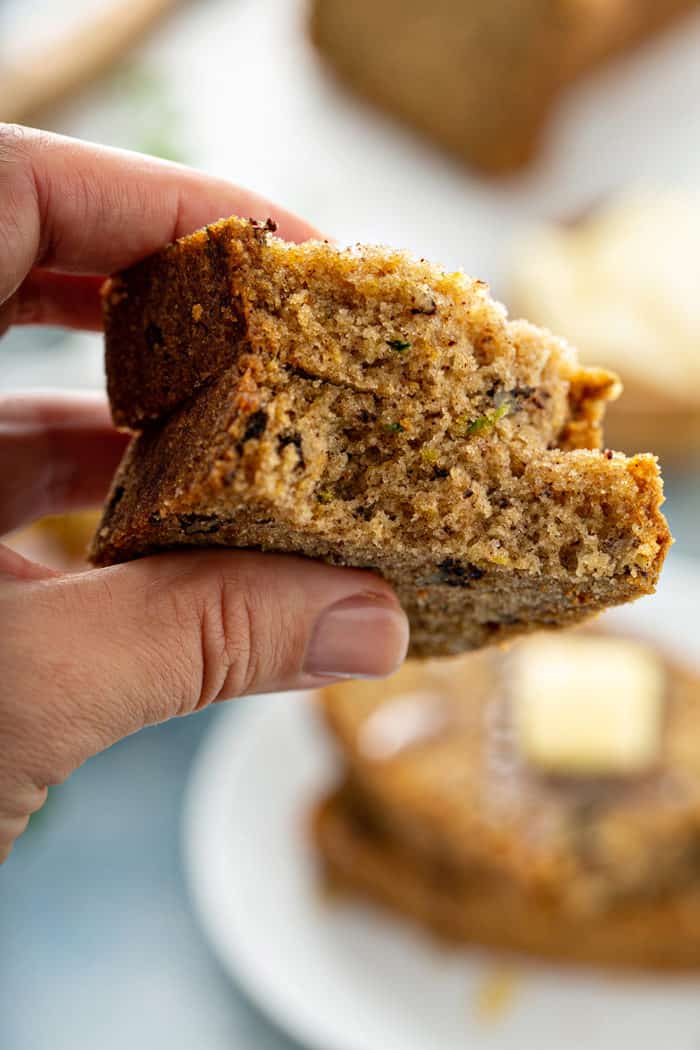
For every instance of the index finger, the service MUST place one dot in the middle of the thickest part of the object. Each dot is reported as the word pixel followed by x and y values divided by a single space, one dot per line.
pixel 84 209
pixel 58 452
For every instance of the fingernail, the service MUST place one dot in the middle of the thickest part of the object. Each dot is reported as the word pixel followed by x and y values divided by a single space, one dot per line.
pixel 364 636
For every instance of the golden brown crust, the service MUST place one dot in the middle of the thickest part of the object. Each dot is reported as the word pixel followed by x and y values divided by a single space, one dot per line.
pixel 174 321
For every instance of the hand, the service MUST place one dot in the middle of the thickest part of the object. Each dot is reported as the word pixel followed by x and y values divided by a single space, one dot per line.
pixel 90 657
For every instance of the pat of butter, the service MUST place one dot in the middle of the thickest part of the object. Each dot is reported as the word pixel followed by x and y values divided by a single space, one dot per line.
pixel 588 705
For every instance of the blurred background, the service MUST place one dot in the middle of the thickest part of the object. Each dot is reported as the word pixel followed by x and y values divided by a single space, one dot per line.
pixel 588 224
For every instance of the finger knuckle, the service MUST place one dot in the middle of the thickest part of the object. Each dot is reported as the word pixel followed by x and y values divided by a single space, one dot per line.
pixel 18 144
pixel 215 616
pixel 13 143
pixel 249 636
pixel 172 673
pixel 229 650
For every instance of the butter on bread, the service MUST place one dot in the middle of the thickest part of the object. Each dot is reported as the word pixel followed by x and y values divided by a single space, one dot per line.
pixel 595 857
pixel 588 705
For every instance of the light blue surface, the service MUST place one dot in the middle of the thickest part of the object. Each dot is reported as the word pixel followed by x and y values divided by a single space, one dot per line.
pixel 99 945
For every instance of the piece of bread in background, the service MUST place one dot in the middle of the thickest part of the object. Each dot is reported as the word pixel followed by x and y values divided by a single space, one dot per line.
pixel 544 800
pixel 480 77
pixel 623 284
pixel 369 409
pixel 37 80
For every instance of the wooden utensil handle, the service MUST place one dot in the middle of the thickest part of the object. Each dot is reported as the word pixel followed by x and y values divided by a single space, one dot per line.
pixel 73 61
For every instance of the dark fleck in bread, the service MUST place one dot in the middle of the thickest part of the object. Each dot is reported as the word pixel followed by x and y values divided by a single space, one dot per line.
pixel 479 78
pixel 372 410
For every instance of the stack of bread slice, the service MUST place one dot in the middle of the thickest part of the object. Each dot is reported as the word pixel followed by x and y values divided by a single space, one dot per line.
pixel 545 801
pixel 369 409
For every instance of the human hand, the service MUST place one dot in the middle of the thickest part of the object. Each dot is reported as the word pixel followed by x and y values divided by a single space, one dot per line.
pixel 90 657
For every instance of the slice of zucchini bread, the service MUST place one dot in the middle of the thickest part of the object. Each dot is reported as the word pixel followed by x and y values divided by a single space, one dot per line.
pixel 371 410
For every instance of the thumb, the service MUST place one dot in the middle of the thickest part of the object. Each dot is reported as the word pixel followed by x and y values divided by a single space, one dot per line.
pixel 92 657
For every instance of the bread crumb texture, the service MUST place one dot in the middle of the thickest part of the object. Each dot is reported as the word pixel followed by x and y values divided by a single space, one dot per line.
pixel 370 409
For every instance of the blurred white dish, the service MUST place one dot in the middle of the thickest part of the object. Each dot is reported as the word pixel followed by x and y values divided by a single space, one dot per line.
pixel 342 976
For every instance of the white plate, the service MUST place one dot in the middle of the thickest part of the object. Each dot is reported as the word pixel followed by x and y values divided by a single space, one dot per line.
pixel 344 977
